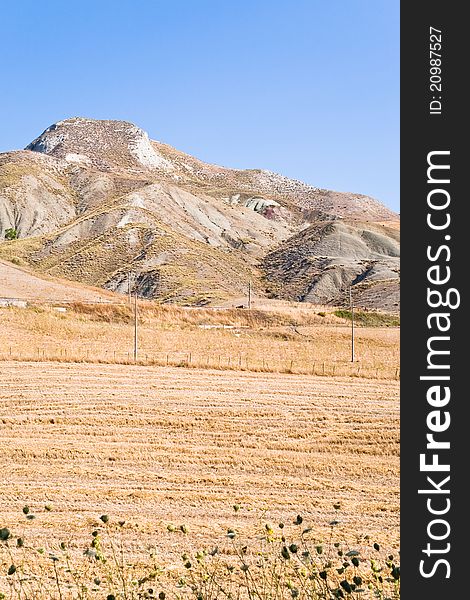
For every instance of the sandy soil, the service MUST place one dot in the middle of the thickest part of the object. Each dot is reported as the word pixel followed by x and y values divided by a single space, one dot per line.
pixel 156 445
pixel 18 283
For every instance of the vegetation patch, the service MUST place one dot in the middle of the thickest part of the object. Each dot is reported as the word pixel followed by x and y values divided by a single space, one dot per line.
pixel 369 319
pixel 285 561
pixel 108 313
pixel 11 234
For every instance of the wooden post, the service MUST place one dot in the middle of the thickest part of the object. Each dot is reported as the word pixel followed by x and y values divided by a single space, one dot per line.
pixel 352 323
pixel 135 326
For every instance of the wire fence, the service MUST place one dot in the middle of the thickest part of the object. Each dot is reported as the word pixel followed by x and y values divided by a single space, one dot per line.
pixel 197 360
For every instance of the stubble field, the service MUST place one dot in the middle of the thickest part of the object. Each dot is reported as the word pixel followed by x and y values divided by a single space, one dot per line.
pixel 159 445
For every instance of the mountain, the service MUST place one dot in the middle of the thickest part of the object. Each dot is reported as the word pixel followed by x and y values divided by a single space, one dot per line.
pixel 94 200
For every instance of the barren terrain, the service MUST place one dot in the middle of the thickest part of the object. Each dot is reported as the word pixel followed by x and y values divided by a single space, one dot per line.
pixel 93 200
pixel 20 283
pixel 160 445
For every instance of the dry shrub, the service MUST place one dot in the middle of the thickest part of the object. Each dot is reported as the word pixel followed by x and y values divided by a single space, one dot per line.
pixel 108 313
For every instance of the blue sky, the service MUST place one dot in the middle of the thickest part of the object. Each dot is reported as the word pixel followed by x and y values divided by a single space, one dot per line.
pixel 306 88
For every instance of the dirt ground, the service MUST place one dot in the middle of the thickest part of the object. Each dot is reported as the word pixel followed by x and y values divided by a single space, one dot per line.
pixel 161 445
pixel 20 283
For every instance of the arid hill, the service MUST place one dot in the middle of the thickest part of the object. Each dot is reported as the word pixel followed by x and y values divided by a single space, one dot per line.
pixel 94 200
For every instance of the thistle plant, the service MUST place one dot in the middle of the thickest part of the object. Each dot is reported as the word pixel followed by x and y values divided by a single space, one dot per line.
pixel 289 562
pixel 284 561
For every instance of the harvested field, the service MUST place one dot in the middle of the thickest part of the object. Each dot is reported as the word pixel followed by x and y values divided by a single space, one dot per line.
pixel 159 445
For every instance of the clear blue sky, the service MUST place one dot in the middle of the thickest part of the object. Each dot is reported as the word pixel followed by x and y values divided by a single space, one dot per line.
pixel 307 88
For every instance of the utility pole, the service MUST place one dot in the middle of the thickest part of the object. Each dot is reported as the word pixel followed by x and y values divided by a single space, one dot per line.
pixel 249 294
pixel 129 287
pixel 351 306
pixel 135 325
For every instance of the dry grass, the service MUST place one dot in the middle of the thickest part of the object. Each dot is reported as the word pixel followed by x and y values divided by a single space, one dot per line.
pixel 287 339
pixel 154 446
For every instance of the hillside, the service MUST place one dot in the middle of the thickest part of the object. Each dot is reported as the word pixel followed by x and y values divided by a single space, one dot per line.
pixel 320 263
pixel 93 200
pixel 18 283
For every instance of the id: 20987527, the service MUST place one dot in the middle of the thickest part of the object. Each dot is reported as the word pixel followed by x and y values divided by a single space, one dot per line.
pixel 435 70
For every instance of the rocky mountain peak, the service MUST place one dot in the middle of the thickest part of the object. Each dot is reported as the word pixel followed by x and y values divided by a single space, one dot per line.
pixel 104 144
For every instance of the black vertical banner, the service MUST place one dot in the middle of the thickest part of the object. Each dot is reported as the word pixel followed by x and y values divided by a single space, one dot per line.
pixel 434 327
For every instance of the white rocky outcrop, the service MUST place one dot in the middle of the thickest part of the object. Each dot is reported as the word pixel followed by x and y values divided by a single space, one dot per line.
pixel 145 153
